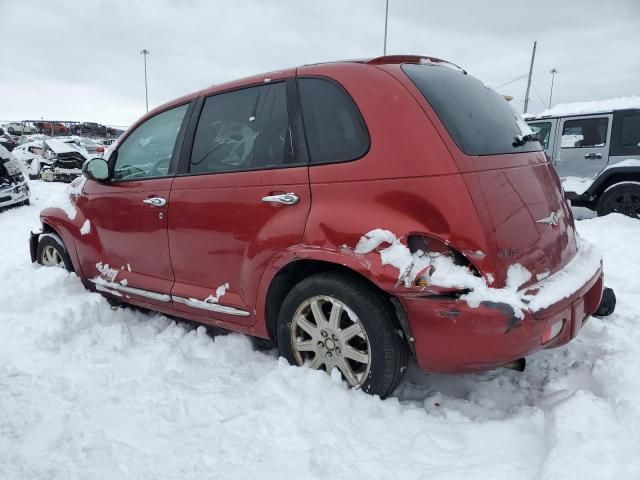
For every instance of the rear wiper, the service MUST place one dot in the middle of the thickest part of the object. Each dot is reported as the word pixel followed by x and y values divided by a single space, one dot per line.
pixel 520 140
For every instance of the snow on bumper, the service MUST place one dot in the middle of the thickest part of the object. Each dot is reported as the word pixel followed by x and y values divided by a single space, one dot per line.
pixel 452 336
pixel 564 283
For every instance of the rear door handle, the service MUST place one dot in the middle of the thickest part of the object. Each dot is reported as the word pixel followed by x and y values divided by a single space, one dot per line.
pixel 284 198
pixel 593 156
pixel 155 201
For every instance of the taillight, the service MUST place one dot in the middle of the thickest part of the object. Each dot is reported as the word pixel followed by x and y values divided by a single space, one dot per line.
pixel 100 149
pixel 426 245
pixel 552 331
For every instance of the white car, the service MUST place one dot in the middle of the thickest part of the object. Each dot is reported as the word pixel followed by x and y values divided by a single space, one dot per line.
pixel 13 187
pixel 17 128
pixel 52 159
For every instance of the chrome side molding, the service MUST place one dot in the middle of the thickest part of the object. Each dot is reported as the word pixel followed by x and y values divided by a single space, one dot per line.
pixel 213 307
pixel 99 282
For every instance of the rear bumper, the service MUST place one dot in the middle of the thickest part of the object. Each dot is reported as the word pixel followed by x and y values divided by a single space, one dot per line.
pixel 452 337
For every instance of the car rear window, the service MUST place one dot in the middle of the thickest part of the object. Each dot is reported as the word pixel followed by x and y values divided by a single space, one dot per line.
pixel 479 120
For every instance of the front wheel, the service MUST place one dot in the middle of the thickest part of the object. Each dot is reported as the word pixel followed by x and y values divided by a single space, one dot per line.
pixel 622 198
pixel 51 252
pixel 336 323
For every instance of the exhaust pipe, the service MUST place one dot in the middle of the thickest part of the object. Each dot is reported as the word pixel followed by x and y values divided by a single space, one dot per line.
pixel 518 365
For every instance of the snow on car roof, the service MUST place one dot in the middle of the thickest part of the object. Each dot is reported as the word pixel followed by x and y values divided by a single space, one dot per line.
pixel 60 147
pixel 583 108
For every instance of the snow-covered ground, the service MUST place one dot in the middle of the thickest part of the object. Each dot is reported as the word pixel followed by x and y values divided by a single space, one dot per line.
pixel 87 392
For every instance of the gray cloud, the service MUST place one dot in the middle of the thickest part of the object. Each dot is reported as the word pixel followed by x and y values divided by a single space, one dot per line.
pixel 80 60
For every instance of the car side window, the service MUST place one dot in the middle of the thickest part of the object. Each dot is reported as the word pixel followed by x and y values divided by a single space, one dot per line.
pixel 334 127
pixel 243 130
pixel 584 132
pixel 630 131
pixel 147 152
pixel 542 129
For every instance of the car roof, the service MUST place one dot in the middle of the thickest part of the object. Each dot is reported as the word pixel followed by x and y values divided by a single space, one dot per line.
pixel 597 107
pixel 275 75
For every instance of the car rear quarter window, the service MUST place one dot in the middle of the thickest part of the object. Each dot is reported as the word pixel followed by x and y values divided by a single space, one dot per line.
pixel 479 121
pixel 630 131
pixel 334 127
pixel 243 129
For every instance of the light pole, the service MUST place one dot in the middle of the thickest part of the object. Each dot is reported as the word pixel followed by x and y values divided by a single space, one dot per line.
pixel 144 54
pixel 553 76
pixel 386 20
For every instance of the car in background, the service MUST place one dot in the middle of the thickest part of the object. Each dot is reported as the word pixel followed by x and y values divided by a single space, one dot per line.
pixel 19 128
pixel 52 159
pixel 113 132
pixel 89 128
pixel 595 148
pixel 51 128
pixel 357 214
pixel 14 189
pixel 93 148
pixel 6 140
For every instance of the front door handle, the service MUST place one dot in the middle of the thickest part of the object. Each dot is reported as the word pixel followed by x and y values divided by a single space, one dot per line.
pixel 593 156
pixel 155 201
pixel 284 198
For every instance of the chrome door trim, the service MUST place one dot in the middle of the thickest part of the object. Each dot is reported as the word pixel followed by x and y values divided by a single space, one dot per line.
pixel 103 285
pixel 284 198
pixel 155 201
pixel 213 307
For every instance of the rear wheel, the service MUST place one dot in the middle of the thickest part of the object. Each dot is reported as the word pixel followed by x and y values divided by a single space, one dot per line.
pixel 622 198
pixel 335 323
pixel 51 252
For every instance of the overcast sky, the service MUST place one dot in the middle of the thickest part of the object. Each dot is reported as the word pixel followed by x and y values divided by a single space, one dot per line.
pixel 80 60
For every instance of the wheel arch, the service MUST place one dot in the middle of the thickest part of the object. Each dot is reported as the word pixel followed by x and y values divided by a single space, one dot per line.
pixel 291 273
pixel 610 177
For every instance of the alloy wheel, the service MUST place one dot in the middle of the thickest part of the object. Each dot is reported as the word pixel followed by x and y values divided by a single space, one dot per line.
pixel 51 257
pixel 326 333
pixel 626 203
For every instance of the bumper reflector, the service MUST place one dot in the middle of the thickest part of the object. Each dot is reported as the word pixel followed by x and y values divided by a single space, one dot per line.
pixel 552 331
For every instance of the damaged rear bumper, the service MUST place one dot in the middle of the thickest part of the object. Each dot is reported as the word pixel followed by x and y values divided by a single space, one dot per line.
pixel 449 336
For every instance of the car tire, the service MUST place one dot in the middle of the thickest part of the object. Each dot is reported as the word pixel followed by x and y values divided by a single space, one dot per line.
pixel 361 340
pixel 621 198
pixel 51 252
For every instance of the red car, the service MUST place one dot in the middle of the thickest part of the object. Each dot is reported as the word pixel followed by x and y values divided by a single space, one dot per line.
pixel 356 213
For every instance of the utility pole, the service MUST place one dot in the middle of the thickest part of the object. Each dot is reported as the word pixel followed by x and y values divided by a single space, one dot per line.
pixel 144 53
pixel 526 97
pixel 553 76
pixel 386 21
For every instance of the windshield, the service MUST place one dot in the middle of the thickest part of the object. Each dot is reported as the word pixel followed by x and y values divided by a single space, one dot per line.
pixel 479 120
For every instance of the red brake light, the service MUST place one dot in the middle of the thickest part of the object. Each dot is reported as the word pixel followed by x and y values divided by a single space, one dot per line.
pixel 100 149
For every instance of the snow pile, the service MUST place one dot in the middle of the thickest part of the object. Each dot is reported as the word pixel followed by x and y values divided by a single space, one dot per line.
pixel 598 106
pixel 86 227
pixel 65 198
pixel 91 392
pixel 220 291
pixel 440 270
pixel 577 185
pixel 629 162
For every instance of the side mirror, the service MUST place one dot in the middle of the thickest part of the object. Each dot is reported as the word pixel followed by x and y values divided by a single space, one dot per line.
pixel 96 169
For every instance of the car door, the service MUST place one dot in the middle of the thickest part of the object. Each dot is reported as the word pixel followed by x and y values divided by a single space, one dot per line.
pixel 241 197
pixel 126 248
pixel 583 147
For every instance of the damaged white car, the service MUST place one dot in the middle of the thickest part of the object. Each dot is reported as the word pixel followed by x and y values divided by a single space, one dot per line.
pixel 13 186
pixel 52 160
